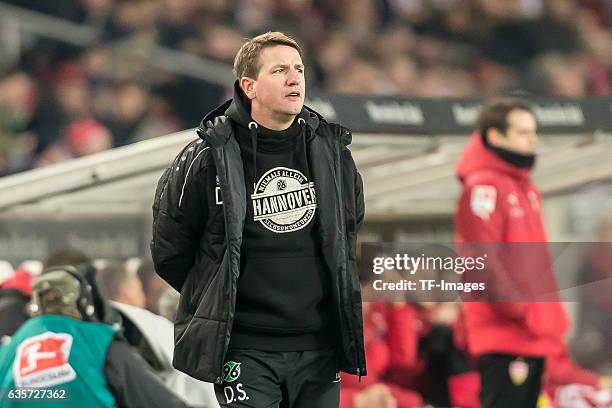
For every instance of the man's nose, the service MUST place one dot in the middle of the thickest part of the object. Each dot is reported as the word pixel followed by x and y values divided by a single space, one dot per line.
pixel 293 78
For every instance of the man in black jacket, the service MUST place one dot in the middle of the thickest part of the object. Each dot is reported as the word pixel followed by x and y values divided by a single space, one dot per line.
pixel 255 224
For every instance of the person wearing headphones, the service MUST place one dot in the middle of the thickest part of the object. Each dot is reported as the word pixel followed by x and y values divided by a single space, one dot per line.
pixel 64 357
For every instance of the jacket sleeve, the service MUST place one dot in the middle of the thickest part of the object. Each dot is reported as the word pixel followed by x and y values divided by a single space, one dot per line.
pixel 179 214
pixel 132 381
pixel 351 173
pixel 359 200
pixel 481 218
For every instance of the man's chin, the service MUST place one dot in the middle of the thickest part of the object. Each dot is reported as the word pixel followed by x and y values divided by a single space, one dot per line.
pixel 293 111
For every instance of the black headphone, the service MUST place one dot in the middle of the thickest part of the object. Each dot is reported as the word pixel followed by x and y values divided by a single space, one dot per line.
pixel 85 302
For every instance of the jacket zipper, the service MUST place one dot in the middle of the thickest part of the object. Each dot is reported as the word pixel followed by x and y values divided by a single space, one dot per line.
pixel 343 228
pixel 219 380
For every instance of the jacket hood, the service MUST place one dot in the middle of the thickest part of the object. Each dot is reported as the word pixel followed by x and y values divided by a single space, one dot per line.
pixel 238 108
pixel 476 157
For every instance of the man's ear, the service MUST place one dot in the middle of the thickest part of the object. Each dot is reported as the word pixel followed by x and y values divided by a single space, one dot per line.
pixel 494 135
pixel 248 87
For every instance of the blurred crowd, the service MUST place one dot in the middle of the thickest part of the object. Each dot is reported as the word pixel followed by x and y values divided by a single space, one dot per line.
pixel 59 101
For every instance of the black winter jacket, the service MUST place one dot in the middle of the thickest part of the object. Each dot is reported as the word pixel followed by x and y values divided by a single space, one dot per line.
pixel 198 218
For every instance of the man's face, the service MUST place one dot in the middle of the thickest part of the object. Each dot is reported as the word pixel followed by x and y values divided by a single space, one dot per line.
pixel 279 89
pixel 521 136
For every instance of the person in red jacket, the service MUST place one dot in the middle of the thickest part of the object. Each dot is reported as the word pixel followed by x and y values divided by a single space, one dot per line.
pixel 500 204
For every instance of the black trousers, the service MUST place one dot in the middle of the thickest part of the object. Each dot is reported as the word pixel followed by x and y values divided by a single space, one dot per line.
pixel 509 381
pixel 280 379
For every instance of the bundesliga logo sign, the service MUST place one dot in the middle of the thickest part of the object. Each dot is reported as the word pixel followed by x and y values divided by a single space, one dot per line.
pixel 284 200
pixel 42 361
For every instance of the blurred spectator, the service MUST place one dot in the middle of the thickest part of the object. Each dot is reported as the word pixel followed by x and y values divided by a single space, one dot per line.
pixel 561 75
pixel 122 285
pixel 390 341
pixel 14 296
pixel 131 17
pixel 87 137
pixel 72 92
pixel 130 105
pixel 174 27
pixel 153 286
pixel 66 256
pixel 15 291
pixel 18 102
pixel 221 43
pixel 95 12
pixel 131 119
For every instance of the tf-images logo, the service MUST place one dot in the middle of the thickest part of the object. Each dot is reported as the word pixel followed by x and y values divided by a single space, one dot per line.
pixel 284 200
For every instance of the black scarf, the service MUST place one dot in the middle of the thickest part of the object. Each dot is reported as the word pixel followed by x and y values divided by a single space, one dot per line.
pixel 522 161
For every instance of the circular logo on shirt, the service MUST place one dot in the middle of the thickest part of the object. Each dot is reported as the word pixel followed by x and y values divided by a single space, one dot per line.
pixel 231 371
pixel 284 200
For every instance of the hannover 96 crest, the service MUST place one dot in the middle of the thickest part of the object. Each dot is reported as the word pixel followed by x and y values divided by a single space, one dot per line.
pixel 284 200
pixel 231 371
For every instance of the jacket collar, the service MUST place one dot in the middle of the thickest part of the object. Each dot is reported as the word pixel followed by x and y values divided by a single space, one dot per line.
pixel 221 135
pixel 476 157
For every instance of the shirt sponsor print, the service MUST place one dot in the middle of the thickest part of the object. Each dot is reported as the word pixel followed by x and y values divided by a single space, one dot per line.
pixel 284 200
pixel 42 361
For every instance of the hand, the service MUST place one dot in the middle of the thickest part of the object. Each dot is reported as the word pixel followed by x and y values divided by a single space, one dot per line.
pixel 605 382
pixel 374 396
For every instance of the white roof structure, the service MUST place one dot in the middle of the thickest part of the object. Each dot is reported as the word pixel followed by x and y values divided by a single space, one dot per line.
pixel 404 176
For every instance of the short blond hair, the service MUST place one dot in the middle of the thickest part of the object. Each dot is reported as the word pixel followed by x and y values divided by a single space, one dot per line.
pixel 246 62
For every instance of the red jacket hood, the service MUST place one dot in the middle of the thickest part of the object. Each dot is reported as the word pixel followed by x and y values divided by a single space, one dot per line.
pixel 477 157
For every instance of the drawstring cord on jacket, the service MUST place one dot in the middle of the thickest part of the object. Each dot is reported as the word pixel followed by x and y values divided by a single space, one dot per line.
pixel 253 130
pixel 305 131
